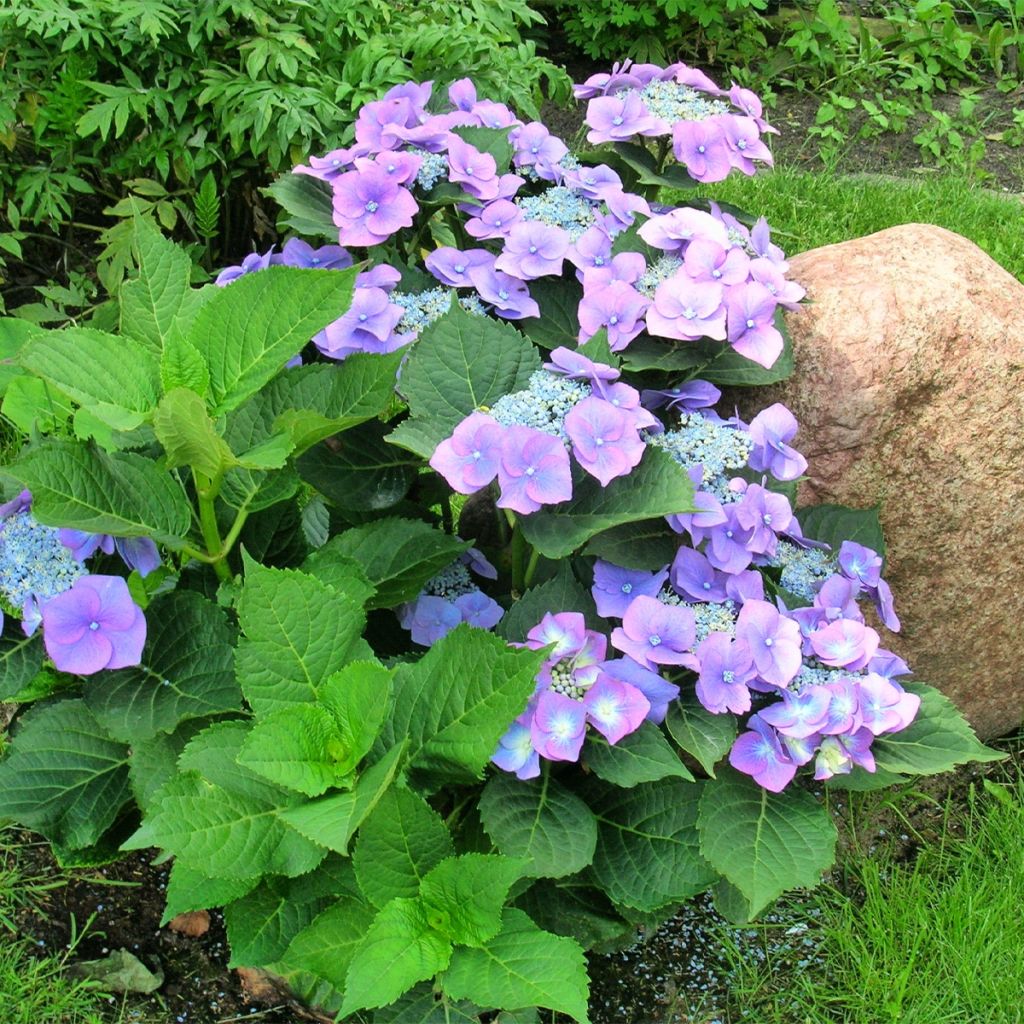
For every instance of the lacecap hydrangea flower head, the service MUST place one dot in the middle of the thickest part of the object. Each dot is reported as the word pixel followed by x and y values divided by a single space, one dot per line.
pixel 89 622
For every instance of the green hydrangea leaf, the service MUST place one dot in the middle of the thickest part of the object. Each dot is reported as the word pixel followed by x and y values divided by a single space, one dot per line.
pixel 218 817
pixel 262 923
pixel 464 896
pixel 642 756
pixel 299 748
pixel 65 776
pixel 326 945
pixel 764 843
pixel 360 470
pixel 159 296
pixel 307 206
pixel 521 966
pixel 399 842
pixel 332 820
pixel 95 368
pixel 397 555
pixel 122 494
pixel 21 658
pixel 182 365
pixel 657 487
pixel 189 889
pixel 187 671
pixel 562 593
pixel 835 523
pixel 183 426
pixel 33 405
pixel 461 363
pixel 540 820
pixel 652 828
pixel 297 632
pixel 936 741
pixel 247 331
pixel 648 544
pixel 399 949
pixel 704 736
pixel 457 701
pixel 358 698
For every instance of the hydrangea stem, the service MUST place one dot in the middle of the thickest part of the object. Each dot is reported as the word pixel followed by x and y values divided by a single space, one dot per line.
pixel 206 490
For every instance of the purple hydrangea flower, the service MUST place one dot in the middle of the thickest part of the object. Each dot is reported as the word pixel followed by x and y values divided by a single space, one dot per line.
pixel 765 514
pixel 250 265
pixel 508 295
pixel 726 666
pixel 617 307
pixel 654 634
pixel 672 231
pixel 533 249
pixel 658 691
pixel 860 563
pixel 536 146
pixel 534 470
pixel 693 574
pixel 297 253
pixel 687 310
pixel 451 266
pixel 367 326
pixel 575 366
pixel 845 643
pixel 558 726
pixel 691 396
pixel 604 440
pixel 369 207
pixel 495 220
pixel 470 458
pixel 884 705
pixel 615 708
pixel 770 430
pixel 759 753
pixel 93 626
pixel 615 588
pixel 774 641
pixel 515 751
pixel 703 149
pixel 800 715
pixel 743 139
pixel 476 172
pixel 705 260
pixel 751 320
pixel 429 618
pixel 614 120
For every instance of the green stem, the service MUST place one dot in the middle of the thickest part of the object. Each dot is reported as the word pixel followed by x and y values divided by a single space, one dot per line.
pixel 206 490
pixel 531 567
pixel 519 547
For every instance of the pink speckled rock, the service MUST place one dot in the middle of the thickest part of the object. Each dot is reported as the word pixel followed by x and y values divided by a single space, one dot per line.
pixel 909 390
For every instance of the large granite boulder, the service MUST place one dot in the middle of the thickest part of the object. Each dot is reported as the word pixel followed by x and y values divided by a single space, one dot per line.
pixel 909 390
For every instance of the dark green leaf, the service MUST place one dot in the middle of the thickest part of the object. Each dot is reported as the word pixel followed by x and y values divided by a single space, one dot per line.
pixel 642 756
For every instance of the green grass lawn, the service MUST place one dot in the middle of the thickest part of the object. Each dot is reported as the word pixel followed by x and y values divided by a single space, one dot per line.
pixel 806 210
pixel 935 941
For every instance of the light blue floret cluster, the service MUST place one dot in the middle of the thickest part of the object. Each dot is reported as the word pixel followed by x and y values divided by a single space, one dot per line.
pixel 433 169
pixel 803 569
pixel 543 405
pixel 422 308
pixel 33 561
pixel 656 273
pixel 813 673
pixel 715 447
pixel 450 583
pixel 672 102
pixel 560 207
pixel 709 617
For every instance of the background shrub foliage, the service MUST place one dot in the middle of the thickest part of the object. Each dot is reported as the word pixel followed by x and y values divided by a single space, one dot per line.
pixel 98 94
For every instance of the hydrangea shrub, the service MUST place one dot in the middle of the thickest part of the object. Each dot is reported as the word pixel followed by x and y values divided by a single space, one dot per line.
pixel 407 587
